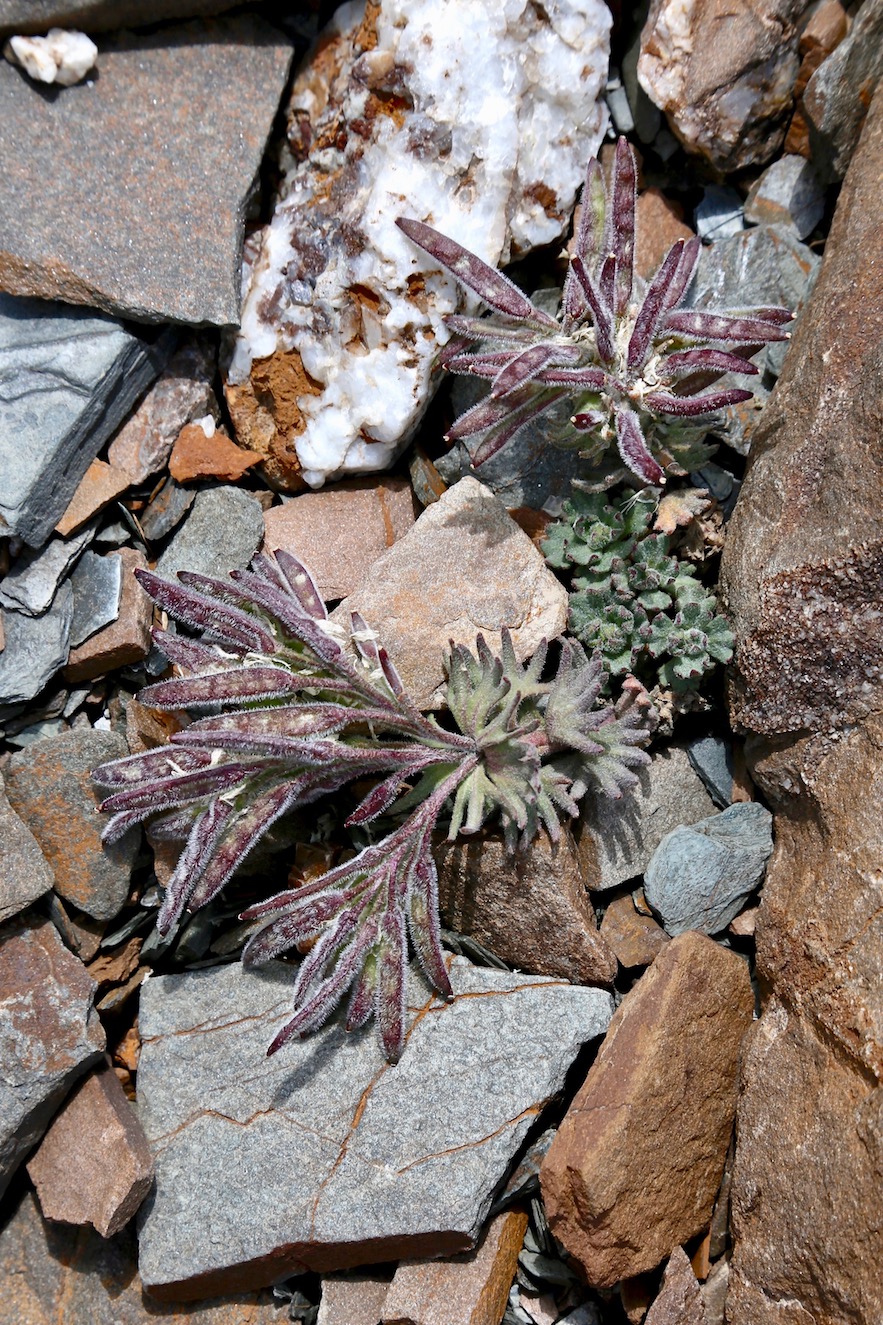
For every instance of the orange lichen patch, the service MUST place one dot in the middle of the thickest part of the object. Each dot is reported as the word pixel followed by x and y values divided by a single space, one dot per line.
pixel 196 456
pixel 267 416
pixel 365 38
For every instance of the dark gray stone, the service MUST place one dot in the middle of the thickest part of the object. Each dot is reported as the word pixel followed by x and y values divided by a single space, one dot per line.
pixel 788 193
pixel 165 209
pixel 700 875
pixel 837 96
pixel 49 1034
pixel 615 839
pixel 36 647
pixel 712 758
pixel 68 378
pixel 33 580
pixel 325 1155
pixel 97 584
pixel 99 15
pixel 166 511
pixel 222 533
pixel 24 873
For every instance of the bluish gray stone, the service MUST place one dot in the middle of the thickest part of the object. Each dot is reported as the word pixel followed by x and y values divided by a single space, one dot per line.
pixel 166 511
pixel 97 583
pixel 222 533
pixel 35 576
pixel 719 214
pixel 700 875
pixel 36 647
pixel 712 758
pixel 68 378
pixel 788 193
pixel 325 1155
pixel 837 96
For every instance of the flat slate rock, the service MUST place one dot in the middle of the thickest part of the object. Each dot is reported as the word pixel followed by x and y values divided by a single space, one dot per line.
pixel 165 207
pixel 49 1034
pixel 35 648
pixel 97 583
pixel 49 785
pixel 222 532
pixel 34 577
pixel 324 1155
pixel 59 1273
pixel 68 378
pixel 701 875
pixel 24 873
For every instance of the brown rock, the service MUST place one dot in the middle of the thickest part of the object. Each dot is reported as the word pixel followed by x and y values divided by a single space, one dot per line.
pixel 352 1300
pixel 808 1232
pixel 183 393
pixel 107 203
pixel 49 1034
pixel 680 1300
pixel 116 964
pixel 634 938
pixel 467 1290
pixel 530 908
pixel 54 1273
pixel 637 1162
pixel 341 531
pixel 99 486
pixel 94 1165
pixel 124 641
pixel 723 74
pixel 24 873
pixel 49 786
pixel 802 575
pixel 197 454
pixel 660 223
pixel 464 569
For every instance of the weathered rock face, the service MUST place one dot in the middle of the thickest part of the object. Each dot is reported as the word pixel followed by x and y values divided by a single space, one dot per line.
pixel 325 1155
pixel 837 96
pixel 478 119
pixel 632 1172
pixel 168 247
pixel 24 873
pixel 679 1301
pixel 802 577
pixel 723 74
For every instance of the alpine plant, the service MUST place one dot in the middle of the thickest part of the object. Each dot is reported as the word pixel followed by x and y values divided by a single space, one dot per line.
pixel 298 707
pixel 624 365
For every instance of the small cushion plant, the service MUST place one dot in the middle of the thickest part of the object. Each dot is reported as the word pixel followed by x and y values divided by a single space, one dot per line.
pixel 643 609
pixel 631 365
pixel 299 708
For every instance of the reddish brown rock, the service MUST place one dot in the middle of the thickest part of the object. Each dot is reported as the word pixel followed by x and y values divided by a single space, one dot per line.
pixel 93 1166
pixel 352 1300
pixel 808 1238
pixel 679 1301
pixel 342 530
pixel 531 908
pixel 99 486
pixel 198 454
pixel 637 1162
pixel 468 1290
pixel 49 1033
pixel 49 786
pixel 24 873
pixel 634 938
pixel 124 641
pixel 55 1274
pixel 723 74
pixel 803 576
pixel 183 393
pixel 660 223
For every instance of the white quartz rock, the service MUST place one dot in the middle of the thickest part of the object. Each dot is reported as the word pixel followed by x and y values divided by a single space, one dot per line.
pixel 59 57
pixel 477 118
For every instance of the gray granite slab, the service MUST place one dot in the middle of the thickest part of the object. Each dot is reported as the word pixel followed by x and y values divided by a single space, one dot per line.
pixel 36 647
pixel 128 191
pixel 35 576
pixel 325 1155
pixel 68 378
pixel 222 532
pixel 97 583
pixel 49 1034
pixel 700 875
